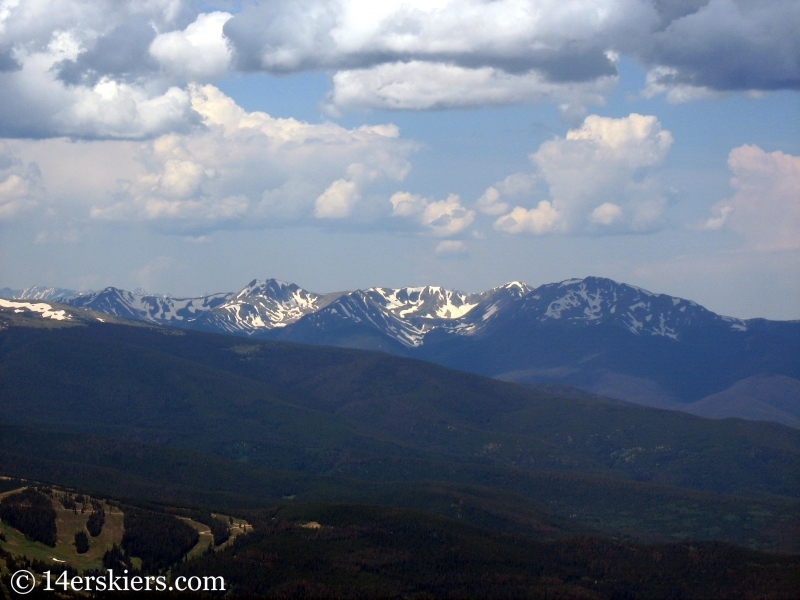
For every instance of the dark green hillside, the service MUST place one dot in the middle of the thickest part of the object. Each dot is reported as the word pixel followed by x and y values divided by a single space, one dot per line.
pixel 367 415
pixel 31 513
pixel 66 379
pixel 331 550
pixel 541 505
pixel 159 540
pixel 360 551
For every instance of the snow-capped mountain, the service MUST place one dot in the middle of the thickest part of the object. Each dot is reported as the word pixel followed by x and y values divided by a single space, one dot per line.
pixel 262 306
pixel 37 292
pixel 410 316
pixel 163 310
pixel 596 301
pixel 607 337
pixel 404 316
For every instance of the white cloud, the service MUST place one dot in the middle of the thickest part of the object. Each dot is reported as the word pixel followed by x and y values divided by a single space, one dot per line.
pixel 451 248
pixel 291 36
pixel 418 85
pixel 414 55
pixel 512 187
pixel 489 203
pixel 120 68
pixel 766 206
pixel 405 204
pixel 447 217
pixel 199 52
pixel 440 218
pixel 240 169
pixel 606 214
pixel 14 195
pixel 601 178
pixel 80 70
pixel 221 172
pixel 338 200
pixel 34 102
pixel 453 53
pixel 542 219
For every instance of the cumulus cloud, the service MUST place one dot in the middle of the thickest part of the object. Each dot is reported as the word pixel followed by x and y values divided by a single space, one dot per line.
pixel 240 169
pixel 512 187
pixel 565 40
pixel 440 218
pixel 248 164
pixel 411 54
pixel 338 200
pixel 542 219
pixel 766 206
pixel 83 69
pixel 199 52
pixel 418 85
pixel 724 46
pixel 120 68
pixel 601 178
pixel 418 55
pixel 122 54
pixel 666 81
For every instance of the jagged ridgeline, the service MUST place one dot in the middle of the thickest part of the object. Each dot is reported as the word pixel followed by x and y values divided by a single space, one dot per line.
pixel 606 337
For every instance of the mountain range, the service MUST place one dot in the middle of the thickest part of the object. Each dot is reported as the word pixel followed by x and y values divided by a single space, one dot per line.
pixel 127 408
pixel 407 476
pixel 602 336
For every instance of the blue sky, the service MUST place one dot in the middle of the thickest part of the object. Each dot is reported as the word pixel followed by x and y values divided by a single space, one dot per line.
pixel 189 148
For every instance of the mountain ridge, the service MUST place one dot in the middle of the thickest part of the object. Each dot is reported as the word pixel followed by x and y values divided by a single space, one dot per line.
pixel 275 304
pixel 606 337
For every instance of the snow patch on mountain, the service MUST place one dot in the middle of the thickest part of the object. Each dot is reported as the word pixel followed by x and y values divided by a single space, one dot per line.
pixel 264 305
pixel 601 300
pixel 410 315
pixel 47 311
pixel 429 302
pixel 153 309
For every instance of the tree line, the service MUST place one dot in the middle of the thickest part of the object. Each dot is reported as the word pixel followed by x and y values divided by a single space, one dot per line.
pixel 32 513
pixel 160 540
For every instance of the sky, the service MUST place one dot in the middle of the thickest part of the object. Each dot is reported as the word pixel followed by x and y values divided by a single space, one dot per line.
pixel 190 147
